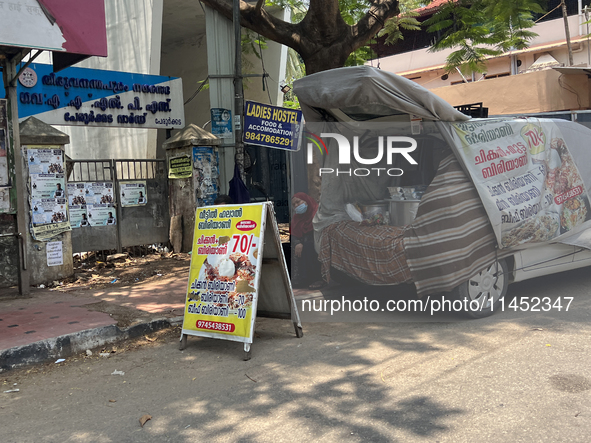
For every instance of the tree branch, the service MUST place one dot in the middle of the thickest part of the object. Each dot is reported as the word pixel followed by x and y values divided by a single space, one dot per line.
pixel 372 22
pixel 259 5
pixel 259 20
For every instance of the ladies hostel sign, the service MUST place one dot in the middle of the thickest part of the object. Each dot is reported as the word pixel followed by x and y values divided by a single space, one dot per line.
pixel 91 97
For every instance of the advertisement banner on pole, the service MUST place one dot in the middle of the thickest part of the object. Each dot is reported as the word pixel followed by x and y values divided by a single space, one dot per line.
pixel 272 126
pixel 225 271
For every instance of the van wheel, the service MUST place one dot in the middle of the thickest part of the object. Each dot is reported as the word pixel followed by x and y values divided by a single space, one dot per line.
pixel 487 288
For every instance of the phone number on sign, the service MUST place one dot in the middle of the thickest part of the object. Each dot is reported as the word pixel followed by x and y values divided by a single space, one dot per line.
pixel 273 139
pixel 215 326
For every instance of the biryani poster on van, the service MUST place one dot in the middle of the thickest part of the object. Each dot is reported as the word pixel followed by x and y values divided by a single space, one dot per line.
pixel 526 177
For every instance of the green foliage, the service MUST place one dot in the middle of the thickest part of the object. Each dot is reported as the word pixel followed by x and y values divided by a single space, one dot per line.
pixel 294 70
pixel 249 43
pixel 475 29
pixel 482 28
pixel 404 21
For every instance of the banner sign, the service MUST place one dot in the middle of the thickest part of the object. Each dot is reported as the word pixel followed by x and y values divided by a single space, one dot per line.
pixel 526 178
pixel 272 126
pixel 225 271
pixel 93 97
pixel 180 167
pixel 47 191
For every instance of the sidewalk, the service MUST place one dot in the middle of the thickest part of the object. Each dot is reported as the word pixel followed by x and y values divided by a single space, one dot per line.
pixel 50 324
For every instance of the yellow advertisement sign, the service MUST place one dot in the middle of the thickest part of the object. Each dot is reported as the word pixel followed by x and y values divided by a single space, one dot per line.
pixel 180 167
pixel 225 269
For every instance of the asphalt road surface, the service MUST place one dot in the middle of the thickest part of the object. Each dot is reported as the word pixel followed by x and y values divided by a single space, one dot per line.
pixel 513 377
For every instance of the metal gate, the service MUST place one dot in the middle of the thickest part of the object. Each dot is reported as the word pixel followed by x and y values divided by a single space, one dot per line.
pixel 136 225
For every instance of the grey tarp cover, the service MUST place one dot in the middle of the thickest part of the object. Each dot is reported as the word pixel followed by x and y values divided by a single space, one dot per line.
pixel 361 86
pixel 372 89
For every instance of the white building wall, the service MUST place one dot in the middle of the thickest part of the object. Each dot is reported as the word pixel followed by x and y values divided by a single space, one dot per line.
pixel 134 30
pixel 426 68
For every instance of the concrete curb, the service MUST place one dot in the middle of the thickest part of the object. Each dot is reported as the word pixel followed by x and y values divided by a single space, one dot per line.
pixel 71 344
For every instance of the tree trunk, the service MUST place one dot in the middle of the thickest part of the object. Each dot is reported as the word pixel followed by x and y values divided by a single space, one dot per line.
pixel 325 59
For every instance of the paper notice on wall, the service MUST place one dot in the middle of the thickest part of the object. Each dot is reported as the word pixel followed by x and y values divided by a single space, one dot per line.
pixel 133 194
pixel 55 256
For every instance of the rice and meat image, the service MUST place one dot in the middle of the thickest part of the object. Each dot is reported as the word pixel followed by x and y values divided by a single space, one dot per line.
pixel 562 172
pixel 236 267
pixel 574 212
pixel 534 230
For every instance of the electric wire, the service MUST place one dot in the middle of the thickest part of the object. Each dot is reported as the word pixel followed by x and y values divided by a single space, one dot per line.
pixel 265 83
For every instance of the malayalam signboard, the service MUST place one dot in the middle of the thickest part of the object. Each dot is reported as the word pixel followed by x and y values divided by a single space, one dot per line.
pixel 272 126
pixel 93 97
pixel 225 271
pixel 526 177
pixel 180 167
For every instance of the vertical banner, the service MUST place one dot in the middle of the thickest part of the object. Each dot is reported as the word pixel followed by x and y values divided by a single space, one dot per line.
pixel 526 177
pixel 47 191
pixel 225 270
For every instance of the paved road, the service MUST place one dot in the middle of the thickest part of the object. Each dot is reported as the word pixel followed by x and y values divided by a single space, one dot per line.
pixel 512 377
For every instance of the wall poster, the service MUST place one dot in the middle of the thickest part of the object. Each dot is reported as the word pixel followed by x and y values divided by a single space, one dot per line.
pixel 47 191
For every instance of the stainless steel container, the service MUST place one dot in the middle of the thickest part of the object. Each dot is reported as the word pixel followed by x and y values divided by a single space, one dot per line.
pixel 372 208
pixel 403 212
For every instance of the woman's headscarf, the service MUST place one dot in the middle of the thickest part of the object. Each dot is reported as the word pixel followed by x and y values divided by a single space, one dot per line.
pixel 302 223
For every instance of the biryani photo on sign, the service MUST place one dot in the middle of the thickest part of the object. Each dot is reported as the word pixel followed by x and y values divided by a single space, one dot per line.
pixel 565 182
pixel 232 267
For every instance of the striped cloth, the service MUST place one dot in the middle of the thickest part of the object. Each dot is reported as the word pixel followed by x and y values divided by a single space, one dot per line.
pixel 371 254
pixel 451 238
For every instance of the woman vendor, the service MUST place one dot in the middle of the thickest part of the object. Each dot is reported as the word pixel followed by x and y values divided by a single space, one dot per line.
pixel 305 264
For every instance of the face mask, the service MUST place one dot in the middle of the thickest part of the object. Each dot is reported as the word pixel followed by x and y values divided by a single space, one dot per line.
pixel 301 208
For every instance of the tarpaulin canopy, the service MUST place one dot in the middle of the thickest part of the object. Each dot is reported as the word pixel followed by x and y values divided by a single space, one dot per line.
pixel 366 91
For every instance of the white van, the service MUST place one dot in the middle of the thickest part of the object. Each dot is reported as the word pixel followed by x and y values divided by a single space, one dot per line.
pixel 506 198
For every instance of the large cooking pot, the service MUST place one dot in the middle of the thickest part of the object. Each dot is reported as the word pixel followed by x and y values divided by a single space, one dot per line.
pixel 403 212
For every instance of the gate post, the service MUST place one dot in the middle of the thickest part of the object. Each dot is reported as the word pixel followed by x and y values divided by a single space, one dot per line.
pixel 113 165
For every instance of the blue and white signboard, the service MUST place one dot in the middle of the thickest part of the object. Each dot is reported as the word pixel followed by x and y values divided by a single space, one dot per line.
pixel 272 126
pixel 92 97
